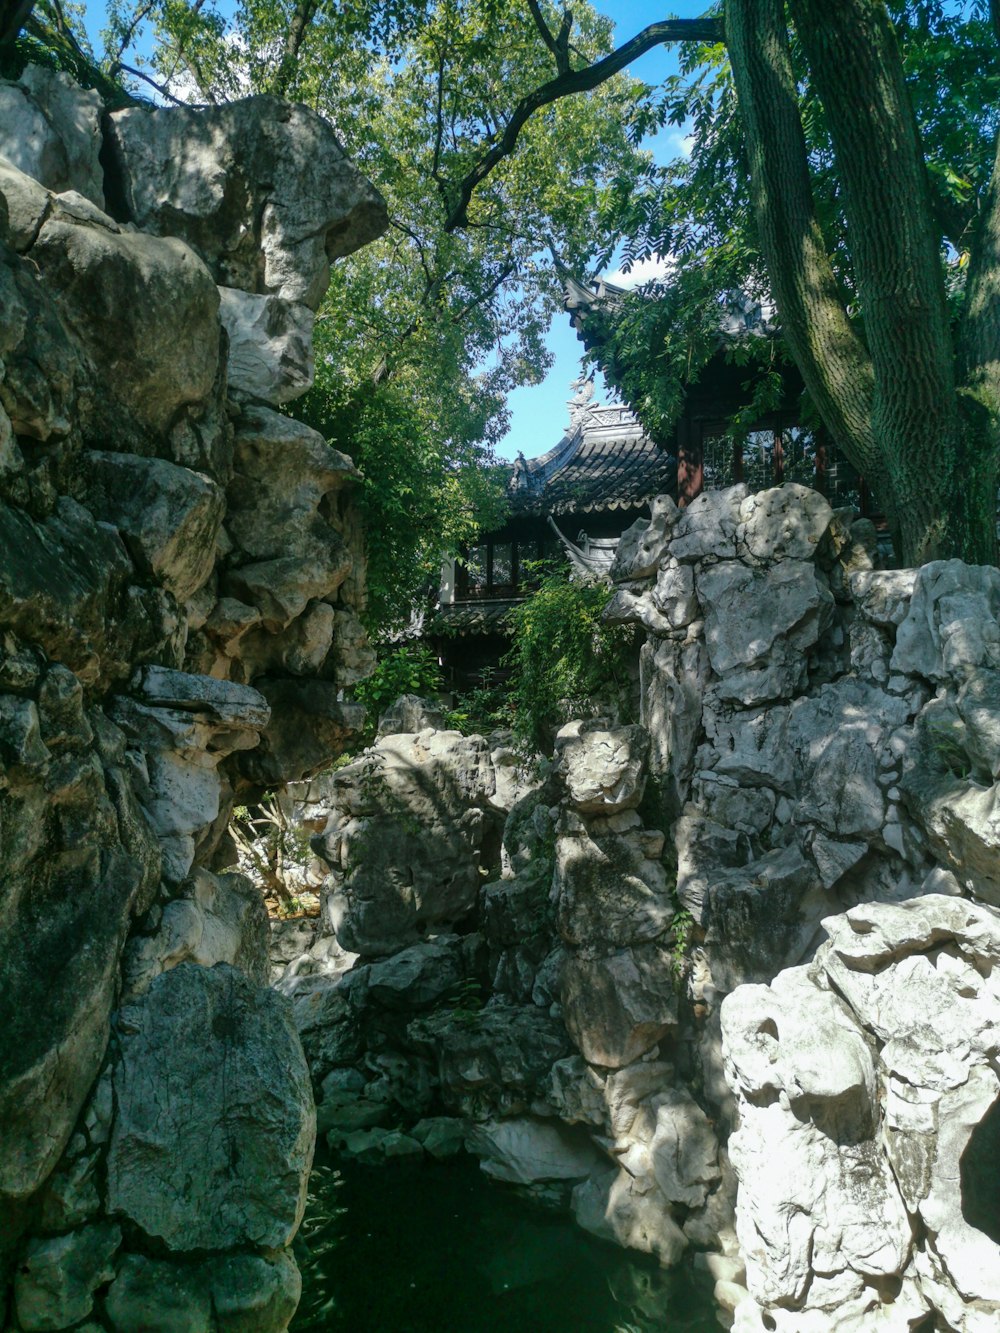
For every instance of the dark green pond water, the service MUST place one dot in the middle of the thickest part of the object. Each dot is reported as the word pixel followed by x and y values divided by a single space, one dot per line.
pixel 434 1247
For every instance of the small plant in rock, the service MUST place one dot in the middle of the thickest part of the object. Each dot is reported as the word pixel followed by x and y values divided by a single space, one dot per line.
pixel 466 1000
pixel 683 930
pixel 945 738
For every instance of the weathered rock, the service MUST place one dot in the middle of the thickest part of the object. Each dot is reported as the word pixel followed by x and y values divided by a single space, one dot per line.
pixel 404 839
pixel 788 609
pixel 833 1148
pixel 270 345
pixel 172 1168
pixel 785 523
pixel 641 546
pixel 72 821
pixel 707 527
pixel 619 1007
pixel 523 1150
pixel 217 919
pixel 611 1207
pixel 491 1062
pixel 609 892
pixel 57 1277
pixel 261 189
pixel 188 726
pixel 168 516
pixel 27 203
pixel 951 626
pixel 42 366
pixel 603 768
pixel 50 128
pixel 416 978
pixel 309 727
pixel 237 1293
pixel 56 583
pixel 145 314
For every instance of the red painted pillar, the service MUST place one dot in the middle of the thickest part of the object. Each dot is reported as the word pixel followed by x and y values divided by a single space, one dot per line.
pixel 690 464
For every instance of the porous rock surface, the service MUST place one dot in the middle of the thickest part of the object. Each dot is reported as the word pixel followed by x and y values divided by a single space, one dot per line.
pixel 156 516
pixel 801 821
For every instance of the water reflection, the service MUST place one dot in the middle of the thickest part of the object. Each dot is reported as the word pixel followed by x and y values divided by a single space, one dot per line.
pixel 433 1247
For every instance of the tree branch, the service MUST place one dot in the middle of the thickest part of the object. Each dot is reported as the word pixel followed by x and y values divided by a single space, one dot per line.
pixel 559 46
pixel 302 16
pixel 576 81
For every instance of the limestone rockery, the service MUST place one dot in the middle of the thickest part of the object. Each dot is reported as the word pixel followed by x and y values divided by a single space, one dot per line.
pixel 724 980
pixel 179 583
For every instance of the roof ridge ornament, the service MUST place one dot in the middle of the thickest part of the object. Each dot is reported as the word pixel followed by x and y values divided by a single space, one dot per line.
pixel 580 404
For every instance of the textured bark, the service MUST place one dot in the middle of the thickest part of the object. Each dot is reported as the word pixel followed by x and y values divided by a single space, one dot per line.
pixel 833 361
pixel 937 462
pixel 980 345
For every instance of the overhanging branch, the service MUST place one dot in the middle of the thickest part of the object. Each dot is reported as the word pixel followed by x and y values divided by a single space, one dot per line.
pixel 576 81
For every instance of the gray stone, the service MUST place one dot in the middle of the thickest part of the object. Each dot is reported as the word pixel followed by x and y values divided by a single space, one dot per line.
pixel 260 188
pixel 707 527
pixel 883 596
pixel 951 627
pixel 216 919
pixel 610 1206
pixel 56 1278
pixel 270 345
pixel 619 1007
pixel 441 1136
pixel 786 608
pixel 168 516
pixel 172 1168
pixel 27 202
pixel 417 977
pixel 609 891
pixel 642 546
pixel 602 767
pixel 492 1062
pixel 145 313
pixel 310 726
pixel 50 128
pixel 785 523
pixel 522 1150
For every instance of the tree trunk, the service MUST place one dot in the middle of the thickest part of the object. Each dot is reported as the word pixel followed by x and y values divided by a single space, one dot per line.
pixel 14 14
pixel 833 361
pixel 934 459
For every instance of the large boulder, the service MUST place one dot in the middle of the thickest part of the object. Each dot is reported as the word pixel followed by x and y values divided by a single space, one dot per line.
pixel 77 860
pixel 404 839
pixel 50 128
pixel 228 1168
pixel 145 314
pixel 262 190
pixel 169 516
pixel 836 1151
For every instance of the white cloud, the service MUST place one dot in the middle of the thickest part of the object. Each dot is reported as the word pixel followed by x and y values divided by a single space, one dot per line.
pixel 646 270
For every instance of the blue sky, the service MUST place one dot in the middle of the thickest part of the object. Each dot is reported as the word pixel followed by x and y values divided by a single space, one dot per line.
pixel 538 412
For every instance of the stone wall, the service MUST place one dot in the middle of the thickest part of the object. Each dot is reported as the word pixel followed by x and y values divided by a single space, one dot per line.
pixel 176 591
pixel 816 757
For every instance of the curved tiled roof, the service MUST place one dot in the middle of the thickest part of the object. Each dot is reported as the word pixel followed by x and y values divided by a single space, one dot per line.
pixel 605 462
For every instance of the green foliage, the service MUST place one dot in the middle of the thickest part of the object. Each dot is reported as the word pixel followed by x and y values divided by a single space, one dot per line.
pixel 682 929
pixel 484 708
pixel 405 670
pixel 565 661
pixel 424 332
